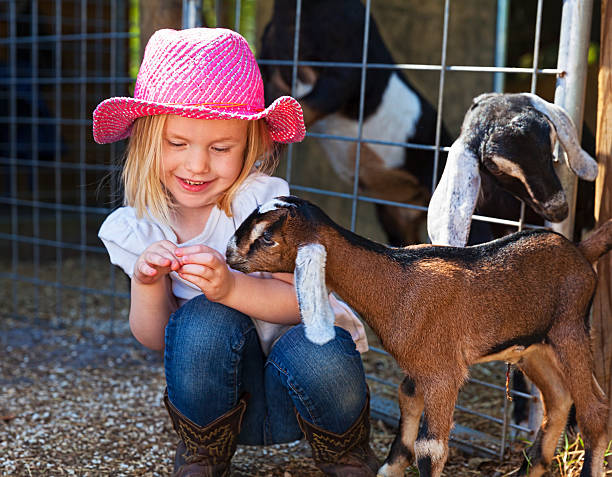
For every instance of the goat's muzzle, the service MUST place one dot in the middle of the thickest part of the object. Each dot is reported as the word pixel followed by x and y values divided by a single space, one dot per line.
pixel 241 265
pixel 234 259
pixel 555 209
pixel 556 215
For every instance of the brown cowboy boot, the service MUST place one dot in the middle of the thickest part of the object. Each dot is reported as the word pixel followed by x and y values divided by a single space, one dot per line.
pixel 343 455
pixel 206 451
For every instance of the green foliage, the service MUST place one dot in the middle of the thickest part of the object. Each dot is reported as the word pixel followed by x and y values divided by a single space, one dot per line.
pixel 134 41
pixel 570 458
pixel 226 17
pixel 593 57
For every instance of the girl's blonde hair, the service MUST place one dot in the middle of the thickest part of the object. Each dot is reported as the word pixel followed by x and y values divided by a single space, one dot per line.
pixel 143 171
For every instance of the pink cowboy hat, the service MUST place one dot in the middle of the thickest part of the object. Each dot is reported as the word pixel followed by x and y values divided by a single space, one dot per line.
pixel 206 73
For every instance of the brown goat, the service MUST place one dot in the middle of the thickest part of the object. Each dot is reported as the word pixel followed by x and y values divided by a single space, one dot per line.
pixel 523 298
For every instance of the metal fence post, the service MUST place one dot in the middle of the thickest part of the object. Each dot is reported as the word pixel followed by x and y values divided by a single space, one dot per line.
pixel 570 90
pixel 569 94
pixel 192 13
pixel 501 43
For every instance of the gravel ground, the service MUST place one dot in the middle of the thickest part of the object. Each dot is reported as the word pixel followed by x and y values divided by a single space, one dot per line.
pixel 78 403
pixel 80 400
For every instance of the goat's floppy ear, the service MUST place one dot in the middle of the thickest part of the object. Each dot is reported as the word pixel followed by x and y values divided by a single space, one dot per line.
pixel 453 202
pixel 578 160
pixel 312 295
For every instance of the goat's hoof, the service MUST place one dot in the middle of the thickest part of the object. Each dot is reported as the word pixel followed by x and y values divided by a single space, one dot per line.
pixel 390 471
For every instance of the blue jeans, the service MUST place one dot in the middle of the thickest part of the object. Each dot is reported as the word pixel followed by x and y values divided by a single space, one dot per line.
pixel 213 356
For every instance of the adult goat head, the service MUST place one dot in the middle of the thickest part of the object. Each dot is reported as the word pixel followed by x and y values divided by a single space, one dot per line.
pixel 507 140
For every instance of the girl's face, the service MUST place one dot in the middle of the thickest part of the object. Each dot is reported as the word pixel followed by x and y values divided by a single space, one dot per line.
pixel 201 159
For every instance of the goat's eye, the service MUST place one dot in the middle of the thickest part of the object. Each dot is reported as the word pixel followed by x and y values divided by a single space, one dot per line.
pixel 266 239
pixel 493 168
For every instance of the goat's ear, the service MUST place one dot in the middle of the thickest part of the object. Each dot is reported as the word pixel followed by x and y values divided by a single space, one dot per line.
pixel 453 202
pixel 578 160
pixel 312 295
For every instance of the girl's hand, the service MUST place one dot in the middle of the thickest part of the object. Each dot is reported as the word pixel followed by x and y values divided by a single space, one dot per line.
pixel 345 318
pixel 157 261
pixel 206 268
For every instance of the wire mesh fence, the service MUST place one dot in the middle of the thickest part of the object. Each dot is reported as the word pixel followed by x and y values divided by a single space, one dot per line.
pixel 60 58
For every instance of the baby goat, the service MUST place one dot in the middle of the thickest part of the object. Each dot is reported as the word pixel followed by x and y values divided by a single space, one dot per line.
pixel 523 298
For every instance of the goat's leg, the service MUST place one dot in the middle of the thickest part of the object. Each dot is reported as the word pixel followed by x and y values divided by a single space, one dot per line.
pixel 572 347
pixel 431 446
pixel 540 365
pixel 393 183
pixel 402 450
pixel 402 226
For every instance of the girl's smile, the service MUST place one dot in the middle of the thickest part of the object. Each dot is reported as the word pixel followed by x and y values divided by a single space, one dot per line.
pixel 201 159
pixel 193 186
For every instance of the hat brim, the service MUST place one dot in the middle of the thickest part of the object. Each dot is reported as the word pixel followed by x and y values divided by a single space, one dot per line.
pixel 114 117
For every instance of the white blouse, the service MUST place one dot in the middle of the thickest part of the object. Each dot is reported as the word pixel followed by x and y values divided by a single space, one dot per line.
pixel 126 236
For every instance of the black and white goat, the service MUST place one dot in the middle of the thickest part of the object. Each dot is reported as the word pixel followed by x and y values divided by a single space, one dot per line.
pixel 394 111
pixel 505 150
pixel 438 310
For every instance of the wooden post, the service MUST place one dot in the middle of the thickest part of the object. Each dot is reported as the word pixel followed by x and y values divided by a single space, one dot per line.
pixel 156 14
pixel 602 304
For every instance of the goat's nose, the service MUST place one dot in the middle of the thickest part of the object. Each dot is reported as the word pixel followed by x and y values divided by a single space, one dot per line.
pixel 236 262
pixel 556 208
pixel 560 214
pixel 230 257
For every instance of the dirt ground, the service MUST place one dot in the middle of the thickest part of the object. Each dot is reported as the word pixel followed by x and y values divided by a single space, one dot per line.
pixel 79 396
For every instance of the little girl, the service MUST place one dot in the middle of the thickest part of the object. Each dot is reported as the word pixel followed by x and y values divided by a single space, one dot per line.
pixel 238 366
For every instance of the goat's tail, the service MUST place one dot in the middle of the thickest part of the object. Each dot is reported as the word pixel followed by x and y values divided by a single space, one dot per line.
pixel 598 243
